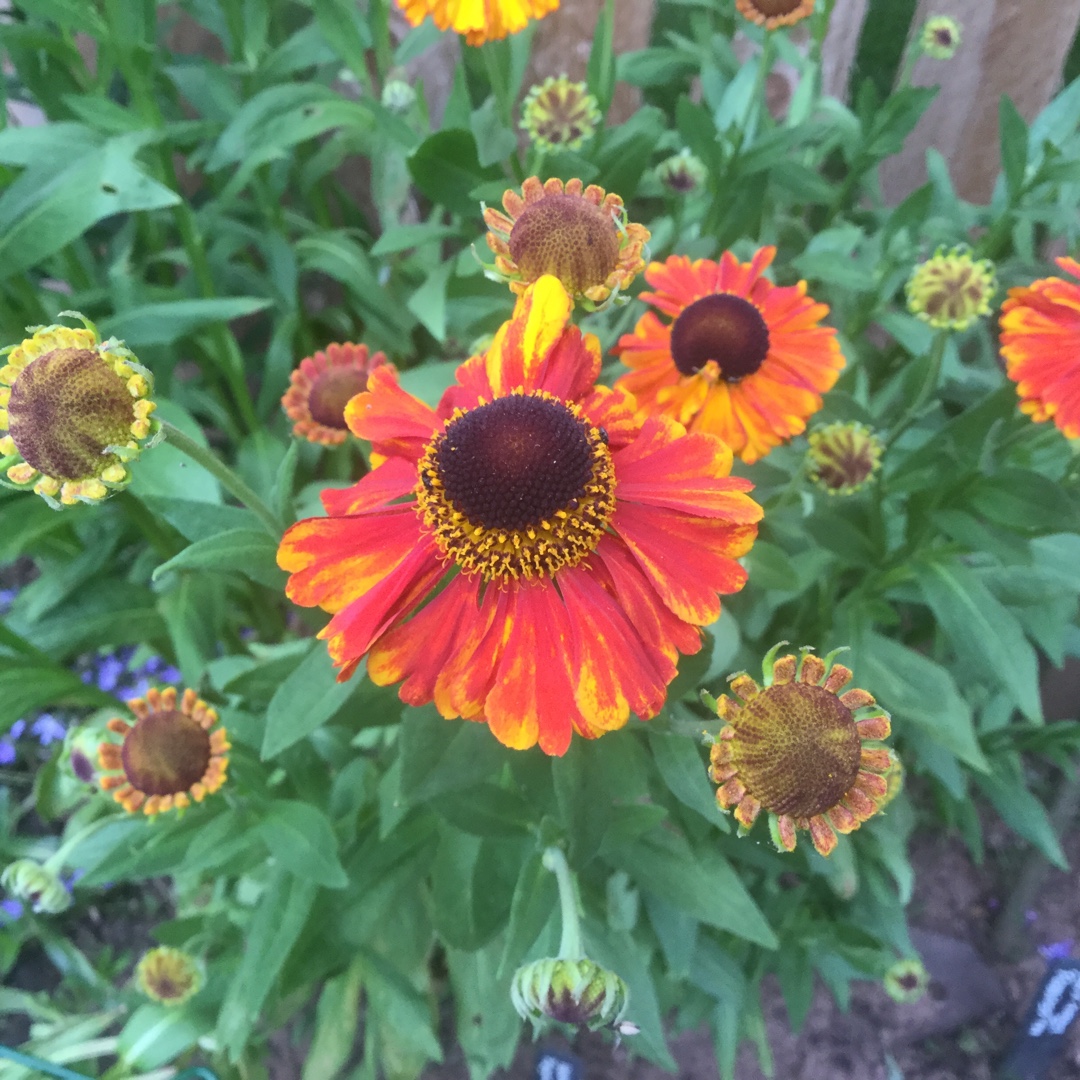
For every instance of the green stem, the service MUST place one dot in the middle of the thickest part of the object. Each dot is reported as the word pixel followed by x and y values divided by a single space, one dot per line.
pixel 758 105
pixel 570 945
pixel 228 478
pixel 55 862
pixel 933 375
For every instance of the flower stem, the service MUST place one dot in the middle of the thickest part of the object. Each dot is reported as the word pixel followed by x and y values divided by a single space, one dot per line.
pixel 933 375
pixel 229 479
pixel 570 944
pixel 55 862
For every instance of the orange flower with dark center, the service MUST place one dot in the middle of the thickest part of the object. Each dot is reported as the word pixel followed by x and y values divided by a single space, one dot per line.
pixel 530 553
pixel 478 20
pixel 168 758
pixel 579 235
pixel 796 749
pixel 321 387
pixel 774 13
pixel 1040 343
pixel 743 358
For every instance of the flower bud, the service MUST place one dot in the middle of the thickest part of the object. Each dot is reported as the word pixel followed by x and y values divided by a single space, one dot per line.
pixel 169 976
pixel 578 992
pixel 682 173
pixel 28 880
pixel 398 96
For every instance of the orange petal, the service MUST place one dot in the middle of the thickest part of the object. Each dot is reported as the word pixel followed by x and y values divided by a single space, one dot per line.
pixel 747 811
pixel 873 727
pixel 813 669
pixel 838 678
pixel 822 834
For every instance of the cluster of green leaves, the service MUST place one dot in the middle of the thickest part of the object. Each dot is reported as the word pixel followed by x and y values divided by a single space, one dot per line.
pixel 227 214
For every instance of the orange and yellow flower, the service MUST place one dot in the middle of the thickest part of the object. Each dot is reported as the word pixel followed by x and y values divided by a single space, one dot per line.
pixel 774 13
pixel 530 553
pixel 478 20
pixel 168 757
pixel 320 388
pixel 168 976
pixel 578 234
pixel 743 358
pixel 1040 343
pixel 795 748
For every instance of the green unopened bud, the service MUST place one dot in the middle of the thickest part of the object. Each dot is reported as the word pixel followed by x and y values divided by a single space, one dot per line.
pixel 398 96
pixel 940 37
pixel 578 992
pixel 682 173
pixel 907 981
pixel 28 880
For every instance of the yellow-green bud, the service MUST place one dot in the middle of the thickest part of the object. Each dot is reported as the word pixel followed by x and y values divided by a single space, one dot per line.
pixel 578 992
pixel 906 981
pixel 28 880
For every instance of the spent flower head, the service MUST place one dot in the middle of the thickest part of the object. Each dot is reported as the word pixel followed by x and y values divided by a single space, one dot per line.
pixel 798 749
pixel 75 412
pixel 168 758
pixel 559 114
pixel 940 37
pixel 168 976
pixel 578 992
pixel 951 289
pixel 579 235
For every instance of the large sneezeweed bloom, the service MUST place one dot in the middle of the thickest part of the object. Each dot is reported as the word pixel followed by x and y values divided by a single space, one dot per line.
pixel 843 457
pixel 559 114
pixel 774 13
pixel 168 757
pixel 320 388
pixel 1040 343
pixel 743 358
pixel 478 20
pixel 169 976
pixel 795 748
pixel 74 413
pixel 940 37
pixel 530 553
pixel 951 289
pixel 37 884
pixel 577 234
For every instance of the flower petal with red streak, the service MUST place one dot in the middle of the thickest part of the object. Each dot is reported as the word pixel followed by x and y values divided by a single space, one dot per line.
pixel 395 478
pixel 390 418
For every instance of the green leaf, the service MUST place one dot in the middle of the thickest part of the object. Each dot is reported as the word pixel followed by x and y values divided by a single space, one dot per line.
pixel 400 238
pixel 155 1036
pixel 275 925
pixel 699 882
pixel 251 552
pixel 1020 810
pixel 446 168
pixel 495 142
pixel 429 381
pixel 685 773
pixel 309 697
pixel 168 321
pixel 428 303
pixel 1025 501
pixel 486 1025
pixel 1014 145
pixel 200 520
pixel 301 839
pixel 170 474
pixel 982 630
pixel 48 208
pixel 916 689
pixel 398 1009
pixel 28 686
pixel 600 73
pixel 337 1017
pixel 349 35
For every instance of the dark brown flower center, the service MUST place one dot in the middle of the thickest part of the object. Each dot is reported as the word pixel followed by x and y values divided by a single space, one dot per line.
pixel 772 8
pixel 331 393
pixel 943 36
pixel 796 749
pixel 568 236
pixel 515 462
pixel 165 753
pixel 724 328
pixel 66 407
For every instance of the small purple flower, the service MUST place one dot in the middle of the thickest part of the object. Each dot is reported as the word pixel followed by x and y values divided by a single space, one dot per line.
pixel 1057 950
pixel 170 674
pixel 7 751
pixel 7 598
pixel 47 729
pixel 11 909
pixel 1031 916
pixel 109 672
pixel 17 729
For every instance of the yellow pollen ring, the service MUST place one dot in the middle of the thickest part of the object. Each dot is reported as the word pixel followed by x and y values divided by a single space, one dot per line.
pixel 542 548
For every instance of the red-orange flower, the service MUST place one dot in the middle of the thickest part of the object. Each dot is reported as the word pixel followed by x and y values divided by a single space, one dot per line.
pixel 530 553
pixel 320 388
pixel 1040 343
pixel 743 358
